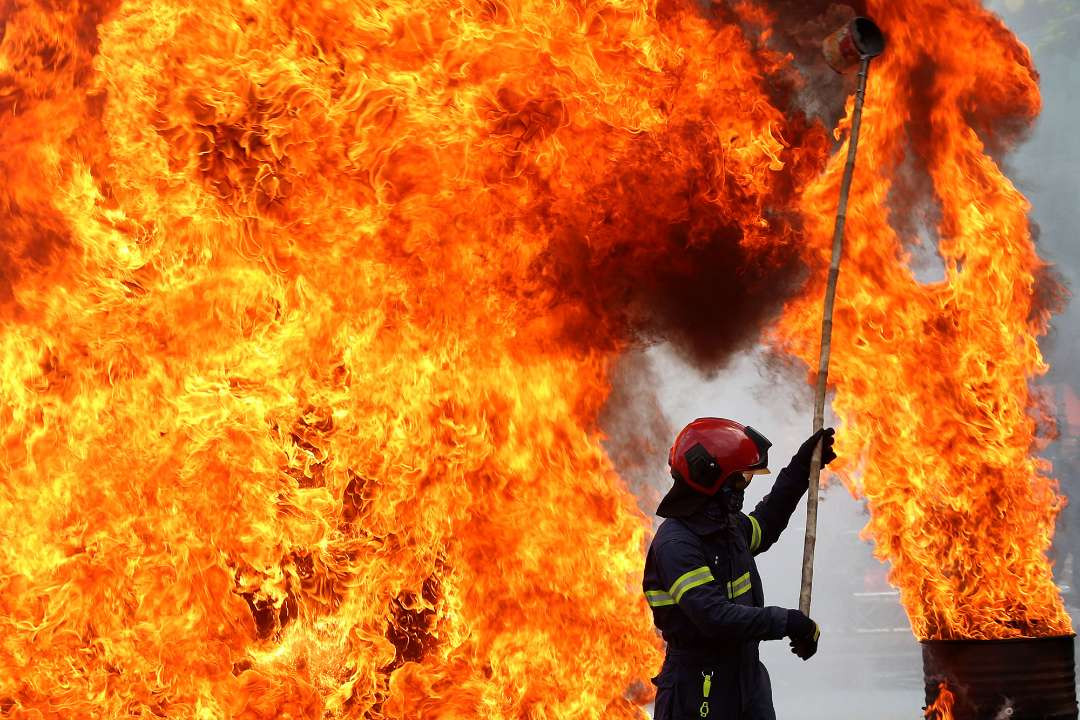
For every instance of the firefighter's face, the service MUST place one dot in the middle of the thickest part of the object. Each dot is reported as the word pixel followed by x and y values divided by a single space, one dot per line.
pixel 739 481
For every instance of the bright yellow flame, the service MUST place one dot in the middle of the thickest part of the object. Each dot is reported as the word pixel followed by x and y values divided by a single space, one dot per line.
pixel 306 329
pixel 299 411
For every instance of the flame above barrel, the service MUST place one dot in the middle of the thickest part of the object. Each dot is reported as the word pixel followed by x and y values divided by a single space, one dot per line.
pixel 939 420
pixel 310 309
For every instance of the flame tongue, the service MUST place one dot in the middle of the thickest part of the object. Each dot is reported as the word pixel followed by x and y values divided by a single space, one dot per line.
pixel 933 376
pixel 942 707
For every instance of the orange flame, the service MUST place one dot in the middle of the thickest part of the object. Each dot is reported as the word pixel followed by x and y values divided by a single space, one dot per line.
pixel 299 411
pixel 308 315
pixel 942 707
pixel 932 377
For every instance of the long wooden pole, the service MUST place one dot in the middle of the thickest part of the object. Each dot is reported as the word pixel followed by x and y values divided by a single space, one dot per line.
pixel 826 342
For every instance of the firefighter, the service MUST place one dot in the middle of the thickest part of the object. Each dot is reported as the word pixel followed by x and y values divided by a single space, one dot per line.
pixel 701 580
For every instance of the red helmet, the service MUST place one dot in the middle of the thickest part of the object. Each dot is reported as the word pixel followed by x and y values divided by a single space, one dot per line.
pixel 709 450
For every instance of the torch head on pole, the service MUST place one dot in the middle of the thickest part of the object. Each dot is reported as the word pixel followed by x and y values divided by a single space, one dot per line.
pixel 845 48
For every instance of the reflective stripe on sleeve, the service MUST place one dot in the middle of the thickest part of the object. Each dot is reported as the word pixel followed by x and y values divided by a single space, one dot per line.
pixel 739 586
pixel 755 534
pixel 688 581
pixel 658 598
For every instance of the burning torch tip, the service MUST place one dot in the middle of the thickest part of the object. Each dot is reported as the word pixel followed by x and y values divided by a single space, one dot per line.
pixel 860 38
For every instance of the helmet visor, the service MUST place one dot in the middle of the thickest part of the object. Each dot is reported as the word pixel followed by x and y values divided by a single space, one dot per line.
pixel 762 444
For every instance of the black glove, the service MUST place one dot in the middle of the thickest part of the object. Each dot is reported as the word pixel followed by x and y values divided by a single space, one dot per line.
pixel 806 450
pixel 803 632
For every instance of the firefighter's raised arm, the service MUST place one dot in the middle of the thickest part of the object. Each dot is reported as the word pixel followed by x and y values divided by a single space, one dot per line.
pixel 765 523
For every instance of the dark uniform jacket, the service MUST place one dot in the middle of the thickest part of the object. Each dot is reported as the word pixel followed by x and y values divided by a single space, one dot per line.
pixel 703 586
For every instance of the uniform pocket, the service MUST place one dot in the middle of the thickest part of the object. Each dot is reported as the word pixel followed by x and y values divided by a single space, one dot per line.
pixel 664 707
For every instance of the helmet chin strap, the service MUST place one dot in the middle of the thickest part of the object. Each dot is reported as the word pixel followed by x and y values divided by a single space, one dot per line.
pixel 733 499
pixel 728 501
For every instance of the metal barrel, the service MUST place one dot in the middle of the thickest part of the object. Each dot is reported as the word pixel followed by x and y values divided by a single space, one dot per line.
pixel 846 47
pixel 1018 679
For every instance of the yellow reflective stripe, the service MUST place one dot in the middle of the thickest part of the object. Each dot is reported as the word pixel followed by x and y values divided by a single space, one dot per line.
pixel 740 586
pixel 743 579
pixel 689 581
pixel 755 534
pixel 658 598
pixel 817 632
pixel 740 591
